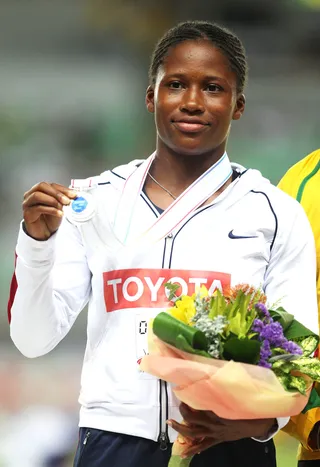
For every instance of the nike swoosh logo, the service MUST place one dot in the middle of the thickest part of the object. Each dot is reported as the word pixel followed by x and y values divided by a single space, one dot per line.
pixel 231 235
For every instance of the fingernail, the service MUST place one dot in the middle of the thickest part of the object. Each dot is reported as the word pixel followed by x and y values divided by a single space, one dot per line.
pixel 65 200
pixel 181 440
pixel 169 422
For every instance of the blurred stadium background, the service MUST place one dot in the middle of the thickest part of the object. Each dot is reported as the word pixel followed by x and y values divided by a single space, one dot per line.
pixel 73 77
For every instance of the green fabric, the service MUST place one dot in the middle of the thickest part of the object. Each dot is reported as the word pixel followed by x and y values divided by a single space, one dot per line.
pixel 313 402
pixel 305 181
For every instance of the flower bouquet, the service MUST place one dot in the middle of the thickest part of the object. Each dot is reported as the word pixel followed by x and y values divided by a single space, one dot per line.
pixel 231 354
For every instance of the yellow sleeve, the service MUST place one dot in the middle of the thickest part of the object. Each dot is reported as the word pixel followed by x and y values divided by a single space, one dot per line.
pixel 301 425
pixel 288 184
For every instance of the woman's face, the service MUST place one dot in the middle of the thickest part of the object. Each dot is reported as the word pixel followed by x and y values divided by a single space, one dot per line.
pixel 194 99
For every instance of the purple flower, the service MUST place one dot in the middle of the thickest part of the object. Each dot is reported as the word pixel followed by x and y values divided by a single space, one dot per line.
pixel 291 347
pixel 273 332
pixel 260 307
pixel 265 354
pixel 264 364
pixel 258 325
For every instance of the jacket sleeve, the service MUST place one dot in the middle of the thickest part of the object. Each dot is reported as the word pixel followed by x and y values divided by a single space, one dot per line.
pixel 53 284
pixel 301 426
pixel 290 278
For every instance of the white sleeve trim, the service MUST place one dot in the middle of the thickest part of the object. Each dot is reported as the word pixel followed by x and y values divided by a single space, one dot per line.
pixel 282 421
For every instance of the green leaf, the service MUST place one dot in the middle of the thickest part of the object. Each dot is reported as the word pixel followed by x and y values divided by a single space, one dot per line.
pixel 177 461
pixel 235 306
pixel 218 305
pixel 168 329
pixel 297 383
pixel 308 344
pixel 282 316
pixel 172 288
pixel 285 357
pixel 283 365
pixel 235 325
pixel 293 329
pixel 182 344
pixel 310 368
pixel 307 366
pixel 242 350
pixel 291 383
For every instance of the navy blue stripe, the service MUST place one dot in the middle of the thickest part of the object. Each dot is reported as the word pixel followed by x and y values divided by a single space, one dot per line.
pixel 274 214
pixel 104 183
pixel 208 207
pixel 242 173
pixel 174 238
pixel 164 254
pixel 117 175
pixel 149 204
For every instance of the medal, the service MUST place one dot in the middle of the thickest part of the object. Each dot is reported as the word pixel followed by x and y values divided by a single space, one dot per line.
pixel 81 209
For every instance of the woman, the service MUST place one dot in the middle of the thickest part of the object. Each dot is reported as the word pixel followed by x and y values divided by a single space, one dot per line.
pixel 185 214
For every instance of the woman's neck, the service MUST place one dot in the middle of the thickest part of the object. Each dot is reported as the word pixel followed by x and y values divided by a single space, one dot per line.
pixel 177 172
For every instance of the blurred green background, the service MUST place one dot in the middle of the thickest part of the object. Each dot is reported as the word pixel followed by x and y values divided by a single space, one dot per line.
pixel 73 78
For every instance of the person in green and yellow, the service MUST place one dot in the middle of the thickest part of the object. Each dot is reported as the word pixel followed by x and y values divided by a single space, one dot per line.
pixel 302 181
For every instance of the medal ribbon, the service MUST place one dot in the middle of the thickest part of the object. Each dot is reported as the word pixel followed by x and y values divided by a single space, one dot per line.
pixel 177 213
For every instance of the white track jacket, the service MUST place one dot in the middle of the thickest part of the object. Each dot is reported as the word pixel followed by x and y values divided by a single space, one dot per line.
pixel 252 233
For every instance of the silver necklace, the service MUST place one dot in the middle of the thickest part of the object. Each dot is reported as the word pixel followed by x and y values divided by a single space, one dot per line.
pixel 163 188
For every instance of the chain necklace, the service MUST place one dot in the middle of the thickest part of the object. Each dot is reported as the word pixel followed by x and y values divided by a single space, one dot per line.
pixel 163 188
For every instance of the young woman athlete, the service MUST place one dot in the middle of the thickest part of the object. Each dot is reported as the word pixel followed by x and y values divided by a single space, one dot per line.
pixel 184 214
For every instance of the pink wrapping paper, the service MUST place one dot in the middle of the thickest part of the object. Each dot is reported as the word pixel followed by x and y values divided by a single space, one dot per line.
pixel 231 390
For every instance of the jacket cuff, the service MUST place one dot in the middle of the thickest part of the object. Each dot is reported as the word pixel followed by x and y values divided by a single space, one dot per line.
pixel 281 422
pixel 32 251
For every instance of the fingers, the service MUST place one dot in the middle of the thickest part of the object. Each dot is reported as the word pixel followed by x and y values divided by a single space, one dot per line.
pixel 58 192
pixel 199 447
pixel 37 198
pixel 33 213
pixel 199 417
pixel 189 432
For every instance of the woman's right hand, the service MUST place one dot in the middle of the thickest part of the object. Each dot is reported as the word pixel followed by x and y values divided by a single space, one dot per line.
pixel 42 208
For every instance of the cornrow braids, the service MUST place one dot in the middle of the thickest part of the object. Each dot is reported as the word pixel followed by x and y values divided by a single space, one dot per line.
pixel 229 44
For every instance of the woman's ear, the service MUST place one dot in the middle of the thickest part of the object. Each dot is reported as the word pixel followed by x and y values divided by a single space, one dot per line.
pixel 240 105
pixel 150 99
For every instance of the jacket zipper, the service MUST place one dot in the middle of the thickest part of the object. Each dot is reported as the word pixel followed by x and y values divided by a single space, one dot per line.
pixel 163 437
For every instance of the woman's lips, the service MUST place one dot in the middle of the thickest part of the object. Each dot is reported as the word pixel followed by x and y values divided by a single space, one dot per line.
pixel 190 127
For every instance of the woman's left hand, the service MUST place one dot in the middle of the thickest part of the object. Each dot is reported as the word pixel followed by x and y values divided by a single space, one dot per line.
pixel 203 429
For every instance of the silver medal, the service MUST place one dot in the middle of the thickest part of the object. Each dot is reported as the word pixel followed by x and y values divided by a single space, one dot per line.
pixel 81 209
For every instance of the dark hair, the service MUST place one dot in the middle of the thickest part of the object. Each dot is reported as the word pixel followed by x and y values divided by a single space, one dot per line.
pixel 229 44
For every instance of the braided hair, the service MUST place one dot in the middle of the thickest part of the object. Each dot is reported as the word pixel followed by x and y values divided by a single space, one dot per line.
pixel 229 44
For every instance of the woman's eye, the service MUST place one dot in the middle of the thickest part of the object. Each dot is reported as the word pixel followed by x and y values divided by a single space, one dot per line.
pixel 214 88
pixel 175 85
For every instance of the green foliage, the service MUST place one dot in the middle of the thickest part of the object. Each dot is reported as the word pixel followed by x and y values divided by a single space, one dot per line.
pixel 172 288
pixel 238 313
pixel 242 350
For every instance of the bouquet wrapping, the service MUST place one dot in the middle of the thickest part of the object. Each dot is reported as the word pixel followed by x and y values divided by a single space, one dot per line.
pixel 230 354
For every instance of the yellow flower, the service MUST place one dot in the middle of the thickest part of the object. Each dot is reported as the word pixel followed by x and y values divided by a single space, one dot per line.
pixel 184 310
pixel 203 291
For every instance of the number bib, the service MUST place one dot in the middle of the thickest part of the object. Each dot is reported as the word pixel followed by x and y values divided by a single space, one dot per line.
pixel 141 331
